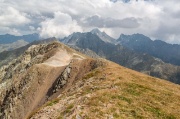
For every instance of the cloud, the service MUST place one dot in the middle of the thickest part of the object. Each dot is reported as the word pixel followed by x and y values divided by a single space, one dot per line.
pixel 60 26
pixel 11 20
pixel 100 22
pixel 12 17
pixel 158 19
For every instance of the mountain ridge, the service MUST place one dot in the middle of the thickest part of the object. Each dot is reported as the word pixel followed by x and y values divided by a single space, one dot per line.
pixel 53 81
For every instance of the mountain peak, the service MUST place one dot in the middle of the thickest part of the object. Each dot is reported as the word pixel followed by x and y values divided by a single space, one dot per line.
pixel 96 30
pixel 103 36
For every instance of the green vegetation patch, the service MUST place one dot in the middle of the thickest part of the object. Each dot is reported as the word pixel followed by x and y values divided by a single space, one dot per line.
pixel 121 98
pixel 69 108
pixel 159 113
pixel 136 89
pixel 51 103
pixel 91 74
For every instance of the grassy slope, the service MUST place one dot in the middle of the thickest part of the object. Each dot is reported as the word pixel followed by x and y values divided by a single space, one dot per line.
pixel 113 91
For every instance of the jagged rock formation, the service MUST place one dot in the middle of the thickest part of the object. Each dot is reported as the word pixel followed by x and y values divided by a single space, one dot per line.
pixel 37 75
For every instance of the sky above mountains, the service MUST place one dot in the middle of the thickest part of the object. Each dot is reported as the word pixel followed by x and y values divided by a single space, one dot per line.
pixel 158 19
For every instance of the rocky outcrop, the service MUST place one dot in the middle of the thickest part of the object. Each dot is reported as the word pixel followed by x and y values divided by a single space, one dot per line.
pixel 62 79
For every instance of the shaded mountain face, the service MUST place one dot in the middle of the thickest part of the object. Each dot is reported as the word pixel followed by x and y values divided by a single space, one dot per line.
pixel 124 56
pixel 7 38
pixel 167 52
pixel 54 81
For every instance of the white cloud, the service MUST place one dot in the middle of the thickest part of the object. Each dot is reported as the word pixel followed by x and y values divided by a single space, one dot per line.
pixel 12 20
pixel 157 19
pixel 12 17
pixel 60 26
pixel 100 22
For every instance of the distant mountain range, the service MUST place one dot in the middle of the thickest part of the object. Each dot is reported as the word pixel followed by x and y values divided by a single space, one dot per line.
pixel 123 55
pixel 167 52
pixel 7 38
pixel 10 42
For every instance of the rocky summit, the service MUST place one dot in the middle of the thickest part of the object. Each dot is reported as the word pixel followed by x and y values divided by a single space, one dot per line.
pixel 53 81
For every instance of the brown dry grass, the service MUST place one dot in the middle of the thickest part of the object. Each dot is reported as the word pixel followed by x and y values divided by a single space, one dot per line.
pixel 121 93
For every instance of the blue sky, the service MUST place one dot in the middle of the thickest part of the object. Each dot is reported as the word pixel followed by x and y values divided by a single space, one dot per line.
pixel 158 19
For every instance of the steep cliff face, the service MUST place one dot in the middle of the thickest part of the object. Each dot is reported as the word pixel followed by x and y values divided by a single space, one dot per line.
pixel 37 76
